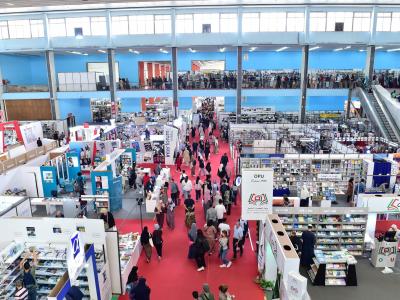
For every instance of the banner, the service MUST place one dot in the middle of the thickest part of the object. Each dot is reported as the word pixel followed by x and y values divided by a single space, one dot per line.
pixel 30 134
pixel 257 193
pixel 170 143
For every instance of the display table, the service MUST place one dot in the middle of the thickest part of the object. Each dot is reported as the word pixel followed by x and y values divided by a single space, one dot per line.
pixel 384 254
pixel 153 197
pixel 130 249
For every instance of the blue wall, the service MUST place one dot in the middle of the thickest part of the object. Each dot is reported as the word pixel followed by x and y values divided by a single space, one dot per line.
pixel 131 105
pixel 23 69
pixel 336 60
pixel 272 60
pixel 80 108
pixel 387 60
pixel 76 63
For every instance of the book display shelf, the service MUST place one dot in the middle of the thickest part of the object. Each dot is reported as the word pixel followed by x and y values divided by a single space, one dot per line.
pixel 335 228
pixel 321 173
pixel 333 268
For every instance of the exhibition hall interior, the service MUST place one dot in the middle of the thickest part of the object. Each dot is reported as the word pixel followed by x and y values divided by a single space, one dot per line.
pixel 199 149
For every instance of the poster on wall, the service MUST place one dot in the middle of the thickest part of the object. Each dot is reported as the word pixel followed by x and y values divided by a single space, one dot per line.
pixel 171 141
pixel 73 162
pixel 30 133
pixel 48 176
pixel 257 193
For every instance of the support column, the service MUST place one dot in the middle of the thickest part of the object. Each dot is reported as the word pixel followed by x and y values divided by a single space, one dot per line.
pixel 239 84
pixel 348 106
pixel 113 84
pixel 2 105
pixel 369 64
pixel 303 82
pixel 52 80
pixel 174 53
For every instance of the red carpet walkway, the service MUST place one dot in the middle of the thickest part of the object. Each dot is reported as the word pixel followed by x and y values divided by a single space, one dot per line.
pixel 175 276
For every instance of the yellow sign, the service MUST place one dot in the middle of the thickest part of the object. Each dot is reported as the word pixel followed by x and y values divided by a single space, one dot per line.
pixel 331 116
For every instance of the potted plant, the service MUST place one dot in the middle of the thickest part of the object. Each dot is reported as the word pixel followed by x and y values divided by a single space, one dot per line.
pixel 267 286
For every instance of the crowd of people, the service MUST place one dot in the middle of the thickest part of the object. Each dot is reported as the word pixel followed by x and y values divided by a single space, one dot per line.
pixel 209 80
pixel 387 78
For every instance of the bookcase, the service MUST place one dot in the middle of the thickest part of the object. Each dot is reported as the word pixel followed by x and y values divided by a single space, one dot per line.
pixel 334 268
pixel 335 228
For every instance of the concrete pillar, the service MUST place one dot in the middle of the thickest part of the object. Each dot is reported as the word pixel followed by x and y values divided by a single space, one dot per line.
pixel 2 104
pixel 239 84
pixel 303 82
pixel 113 84
pixel 175 99
pixel 52 79
pixel 369 64
pixel 348 106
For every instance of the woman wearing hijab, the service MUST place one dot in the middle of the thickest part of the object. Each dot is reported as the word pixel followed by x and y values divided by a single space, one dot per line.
pixel 201 247
pixel 186 157
pixel 171 214
pixel 193 233
pixel 210 233
pixel 160 212
pixel 145 241
pixel 206 293
pixel 158 240
pixel 141 291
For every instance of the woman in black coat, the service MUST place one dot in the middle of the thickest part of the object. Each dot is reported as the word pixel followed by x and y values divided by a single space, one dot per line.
pixel 200 248
pixel 307 249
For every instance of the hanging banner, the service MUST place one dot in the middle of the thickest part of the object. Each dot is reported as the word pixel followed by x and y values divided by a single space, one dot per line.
pixel 257 193
pixel 170 143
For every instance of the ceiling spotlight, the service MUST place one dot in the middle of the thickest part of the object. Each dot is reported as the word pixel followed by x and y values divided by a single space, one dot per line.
pixel 163 51
pixel 361 50
pixel 314 48
pixel 222 49
pixel 337 49
pixel 192 50
pixel 134 51
pixel 252 49
pixel 281 49
pixel 379 47
pixel 102 51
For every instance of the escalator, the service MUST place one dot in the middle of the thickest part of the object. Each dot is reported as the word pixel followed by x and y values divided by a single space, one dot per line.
pixel 378 113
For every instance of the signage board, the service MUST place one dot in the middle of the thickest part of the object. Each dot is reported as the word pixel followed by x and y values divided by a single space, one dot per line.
pixel 75 255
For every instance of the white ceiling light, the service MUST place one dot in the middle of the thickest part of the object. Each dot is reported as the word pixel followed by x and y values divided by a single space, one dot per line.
pixel 222 49
pixel 10 4
pixel 192 50
pixel 102 51
pixel 393 50
pixel 134 51
pixel 252 49
pixel 337 49
pixel 163 50
pixel 379 47
pixel 281 49
pixel 314 48
pixel 347 47
pixel 362 50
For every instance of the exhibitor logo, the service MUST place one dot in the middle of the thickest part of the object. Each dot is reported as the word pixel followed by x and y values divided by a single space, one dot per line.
pixel 258 199
pixel 394 205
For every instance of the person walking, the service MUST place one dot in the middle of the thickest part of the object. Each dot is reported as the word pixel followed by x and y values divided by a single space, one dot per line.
pixel 350 190
pixel 206 293
pixel 201 247
pixel 307 249
pixel 207 150
pixel 186 157
pixel 221 210
pixel 187 188
pixel 28 274
pixel 158 240
pixel 212 215
pixel 223 250
pixel 160 213
pixel 208 168
pixel 237 239
pixel 202 171
pixel 171 214
pixel 197 187
pixel 216 145
pixel 210 234
pixel 145 241
pixel 224 294
pixel 193 167
pixel 195 146
pixel 193 232
pixel 224 159
pixel 141 291
pixel 178 162
pixel 174 191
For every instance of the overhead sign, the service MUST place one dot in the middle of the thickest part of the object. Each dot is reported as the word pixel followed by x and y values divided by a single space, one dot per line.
pixel 170 143
pixel 329 176
pixel 76 255
pixel 257 193
pixel 383 204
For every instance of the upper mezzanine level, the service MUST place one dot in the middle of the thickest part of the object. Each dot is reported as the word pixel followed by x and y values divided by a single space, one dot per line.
pixel 190 26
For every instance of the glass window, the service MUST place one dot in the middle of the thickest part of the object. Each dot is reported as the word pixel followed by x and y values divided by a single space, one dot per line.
pixel 339 17
pixel 119 25
pixel 251 22
pixel 383 21
pixel 4 30
pixel 72 23
pixel 362 21
pixel 57 27
pixel 141 24
pixel 273 22
pixel 295 22
pixel 184 23
pixel 317 21
pixel 19 29
pixel 395 22
pixel 228 23
pixel 204 23
pixel 162 24
pixel 98 26
pixel 37 29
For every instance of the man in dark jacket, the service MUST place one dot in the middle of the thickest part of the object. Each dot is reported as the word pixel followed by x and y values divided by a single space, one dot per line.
pixel 141 291
pixel 307 249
